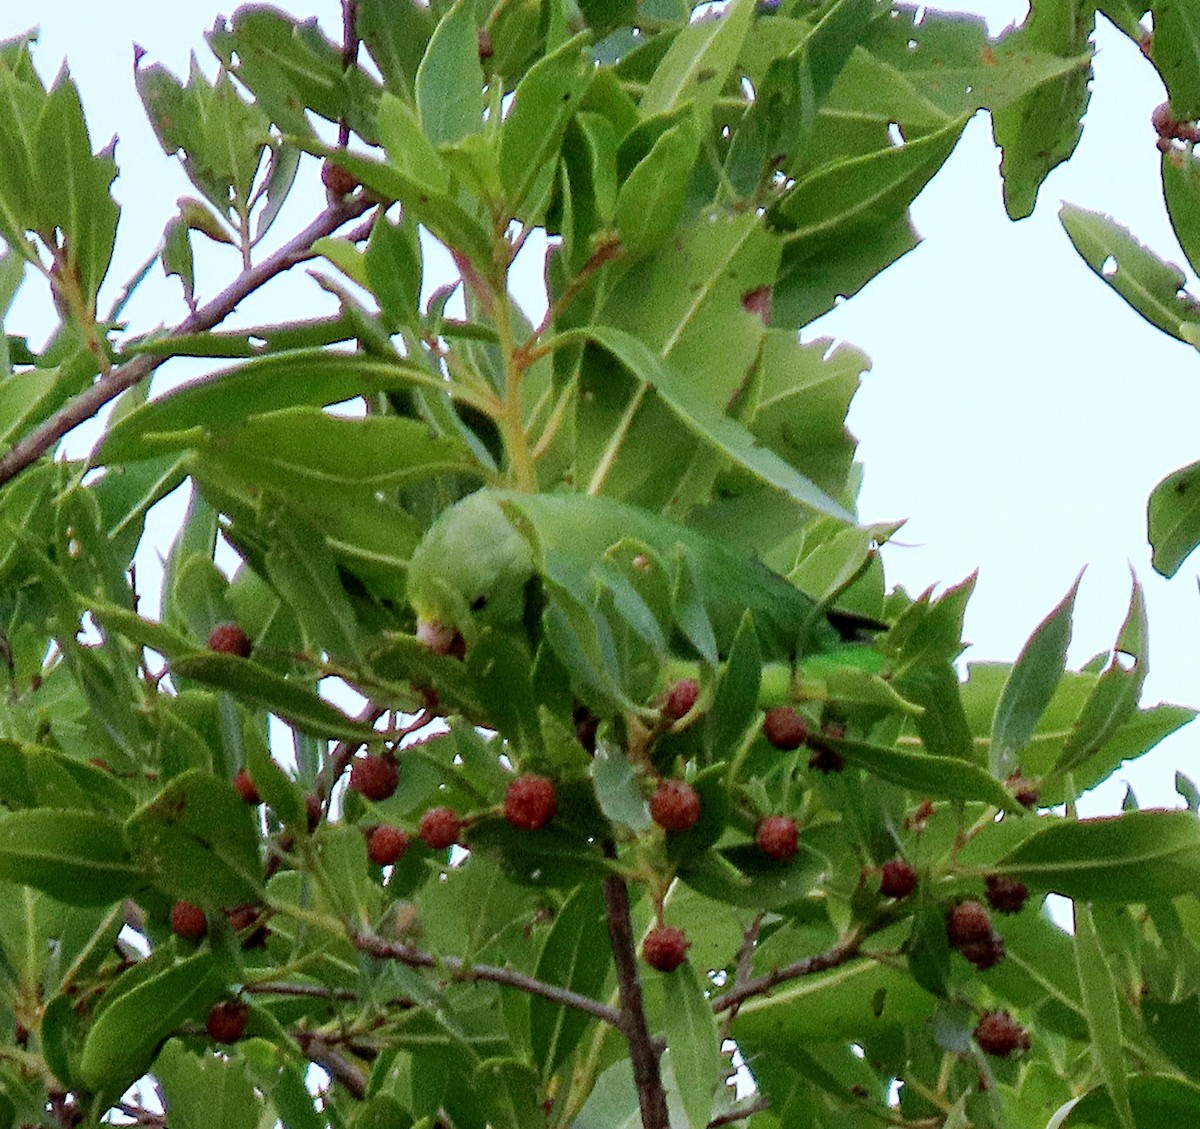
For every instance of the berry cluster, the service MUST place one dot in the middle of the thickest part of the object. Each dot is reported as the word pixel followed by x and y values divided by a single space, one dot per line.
pixel 997 1033
pixel 969 930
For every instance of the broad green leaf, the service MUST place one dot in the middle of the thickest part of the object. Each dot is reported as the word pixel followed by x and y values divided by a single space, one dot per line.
pixel 720 432
pixel 509 1093
pixel 79 857
pixel 938 777
pixel 543 104
pixel 1134 857
pixel 691 1030
pixel 1114 698
pixel 1175 51
pixel 1181 190
pixel 259 687
pixel 205 1091
pixel 198 841
pixel 74 188
pixel 1173 518
pixel 577 956
pixel 618 790
pixel 396 39
pixel 850 1002
pixel 410 150
pixel 1102 1007
pixel 394 270
pixel 1041 130
pixel 121 1044
pixel 290 66
pixel 651 198
pixel 1150 285
pixel 1030 685
pixel 1154 1099
pixel 449 84
pixel 698 63
pixel 834 202
pixel 306 575
pixel 744 876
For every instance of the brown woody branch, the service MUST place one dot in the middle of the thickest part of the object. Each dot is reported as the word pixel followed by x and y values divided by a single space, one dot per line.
pixel 341 1069
pixel 109 386
pixel 643 1053
pixel 507 977
pixel 845 950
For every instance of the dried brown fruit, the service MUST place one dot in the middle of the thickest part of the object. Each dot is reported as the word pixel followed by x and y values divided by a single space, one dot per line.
pixel 1008 895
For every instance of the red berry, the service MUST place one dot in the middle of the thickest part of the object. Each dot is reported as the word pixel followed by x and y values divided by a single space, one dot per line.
pixel 230 639
pixel 227 1021
pixel 374 777
pixel 897 879
pixel 968 923
pixel 785 728
pixel 665 948
pixel 439 828
pixel 245 787
pixel 529 802
pixel 997 1033
pixel 680 699
pixel 386 845
pixel 337 179
pixel 1006 894
pixel 188 921
pixel 675 805
pixel 984 954
pixel 777 837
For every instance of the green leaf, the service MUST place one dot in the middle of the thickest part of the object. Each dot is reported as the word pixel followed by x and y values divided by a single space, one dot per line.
pixel 543 104
pixel 79 857
pixel 651 198
pixel 836 201
pixel 1030 685
pixel 1041 130
pixel 1173 519
pixel 851 1002
pixel 691 1030
pixel 723 434
pixel 1181 190
pixel 1134 857
pixel 1149 284
pixel 1175 51
pixel 121 1044
pixel 259 687
pixel 394 270
pixel 509 1092
pixel 576 956
pixel 1102 1006
pixel 449 84
pixel 205 1091
pixel 933 776
pixel 1114 698
pixel 697 64
pixel 1154 1099
pixel 618 790
pixel 198 841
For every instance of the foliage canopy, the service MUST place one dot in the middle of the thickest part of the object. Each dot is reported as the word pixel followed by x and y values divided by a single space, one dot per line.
pixel 577 613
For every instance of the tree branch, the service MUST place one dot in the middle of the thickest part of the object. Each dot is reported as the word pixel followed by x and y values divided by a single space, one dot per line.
pixel 109 386
pixel 736 1115
pixel 340 1068
pixel 508 977
pixel 845 950
pixel 643 1056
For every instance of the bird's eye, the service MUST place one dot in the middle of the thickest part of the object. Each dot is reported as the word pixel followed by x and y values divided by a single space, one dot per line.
pixel 479 603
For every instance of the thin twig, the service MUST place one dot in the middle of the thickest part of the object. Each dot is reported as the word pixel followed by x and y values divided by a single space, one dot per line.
pixel 845 950
pixel 508 977
pixel 643 1056
pixel 349 56
pixel 745 965
pixel 340 1068
pixel 735 1115
pixel 108 387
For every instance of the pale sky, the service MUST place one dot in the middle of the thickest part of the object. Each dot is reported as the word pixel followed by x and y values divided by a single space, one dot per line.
pixel 1017 413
